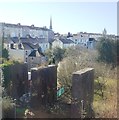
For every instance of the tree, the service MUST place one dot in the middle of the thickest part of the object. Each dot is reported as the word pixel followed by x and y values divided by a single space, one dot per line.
pixel 75 59
pixel 107 49
pixel 104 32
pixel 58 54
pixel 49 55
pixel 55 55
pixel 5 53
pixel 7 82
pixel 117 51
pixel 80 58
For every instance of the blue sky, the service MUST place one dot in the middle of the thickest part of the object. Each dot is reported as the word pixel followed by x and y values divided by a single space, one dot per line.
pixel 66 16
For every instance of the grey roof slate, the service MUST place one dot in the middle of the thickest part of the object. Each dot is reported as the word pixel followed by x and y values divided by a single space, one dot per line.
pixel 26 46
pixel 33 53
pixel 66 41
pixel 29 46
pixel 8 41
pixel 26 26
pixel 29 40
pixel 42 40
pixel 91 39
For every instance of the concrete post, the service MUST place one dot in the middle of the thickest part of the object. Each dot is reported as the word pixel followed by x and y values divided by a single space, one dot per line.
pixel 45 82
pixel 82 90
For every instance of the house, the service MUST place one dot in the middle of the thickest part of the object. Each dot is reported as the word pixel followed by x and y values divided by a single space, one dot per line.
pixel 57 43
pixel 26 50
pixel 62 43
pixel 83 39
pixel 75 38
pixel 67 43
pixel 43 43
pixel 91 43
pixel 79 38
pixel 36 59
pixel 18 30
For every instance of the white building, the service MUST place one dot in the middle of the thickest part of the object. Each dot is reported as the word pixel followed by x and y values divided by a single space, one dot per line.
pixel 25 50
pixel 91 43
pixel 80 39
pixel 35 59
pixel 84 39
pixel 44 44
pixel 18 30
pixel 96 36
pixel 62 43
pixel 57 43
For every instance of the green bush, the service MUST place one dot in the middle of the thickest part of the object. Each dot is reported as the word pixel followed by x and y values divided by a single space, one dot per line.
pixel 5 53
pixel 8 108
pixel 107 49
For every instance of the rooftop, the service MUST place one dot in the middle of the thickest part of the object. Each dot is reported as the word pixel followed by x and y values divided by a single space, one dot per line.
pixel 66 41
pixel 27 40
pixel 24 26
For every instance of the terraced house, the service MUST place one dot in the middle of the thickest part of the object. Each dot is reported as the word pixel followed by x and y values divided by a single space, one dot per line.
pixel 18 30
pixel 26 44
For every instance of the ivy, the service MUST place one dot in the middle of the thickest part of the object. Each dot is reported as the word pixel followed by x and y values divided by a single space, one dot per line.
pixel 5 53
pixel 6 72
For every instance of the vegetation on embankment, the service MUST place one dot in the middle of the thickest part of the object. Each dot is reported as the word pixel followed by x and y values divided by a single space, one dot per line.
pixel 106 107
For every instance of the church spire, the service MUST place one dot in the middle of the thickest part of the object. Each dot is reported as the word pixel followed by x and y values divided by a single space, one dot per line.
pixel 51 23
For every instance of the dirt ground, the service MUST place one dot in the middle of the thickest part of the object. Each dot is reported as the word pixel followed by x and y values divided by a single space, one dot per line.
pixel 59 110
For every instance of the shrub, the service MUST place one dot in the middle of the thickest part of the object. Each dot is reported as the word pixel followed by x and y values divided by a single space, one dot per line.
pixel 5 53
pixel 107 49
pixel 8 108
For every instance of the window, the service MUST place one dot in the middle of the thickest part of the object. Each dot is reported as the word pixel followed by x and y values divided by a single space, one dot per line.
pixel 7 46
pixel 26 52
pixel 26 59
pixel 19 46
pixel 12 46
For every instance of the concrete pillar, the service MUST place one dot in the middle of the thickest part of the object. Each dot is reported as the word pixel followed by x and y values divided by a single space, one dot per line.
pixel 45 82
pixel 18 73
pixel 82 92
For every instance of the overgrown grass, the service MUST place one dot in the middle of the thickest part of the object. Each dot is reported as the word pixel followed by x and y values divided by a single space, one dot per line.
pixel 106 107
pixel 8 108
pixel 20 112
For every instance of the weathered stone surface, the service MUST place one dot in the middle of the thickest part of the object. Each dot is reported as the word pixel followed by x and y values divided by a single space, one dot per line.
pixel 18 75
pixel 45 83
pixel 82 92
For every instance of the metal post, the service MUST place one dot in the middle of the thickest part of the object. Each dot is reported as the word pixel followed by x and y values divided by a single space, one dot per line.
pixel 15 108
pixel 82 109
pixel 82 106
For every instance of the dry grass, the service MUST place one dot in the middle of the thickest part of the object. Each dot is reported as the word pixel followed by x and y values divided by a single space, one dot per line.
pixel 107 107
